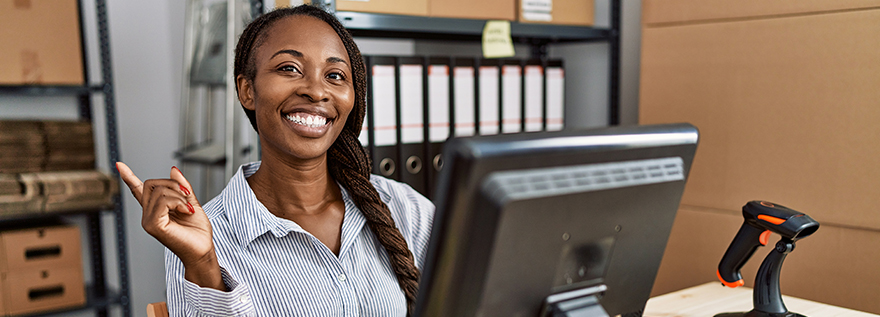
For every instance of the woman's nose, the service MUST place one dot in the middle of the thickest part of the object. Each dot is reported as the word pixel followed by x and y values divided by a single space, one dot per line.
pixel 313 89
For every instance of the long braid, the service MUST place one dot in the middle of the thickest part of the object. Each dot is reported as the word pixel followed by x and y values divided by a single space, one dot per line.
pixel 347 160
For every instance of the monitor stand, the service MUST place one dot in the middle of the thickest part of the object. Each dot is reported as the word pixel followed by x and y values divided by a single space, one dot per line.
pixel 582 302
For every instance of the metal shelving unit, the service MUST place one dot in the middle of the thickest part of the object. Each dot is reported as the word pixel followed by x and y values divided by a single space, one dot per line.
pixel 99 296
pixel 538 36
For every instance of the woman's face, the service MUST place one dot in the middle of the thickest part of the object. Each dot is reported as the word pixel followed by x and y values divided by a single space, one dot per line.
pixel 302 92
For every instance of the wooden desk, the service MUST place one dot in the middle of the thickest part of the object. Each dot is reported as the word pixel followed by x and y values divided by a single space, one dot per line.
pixel 711 298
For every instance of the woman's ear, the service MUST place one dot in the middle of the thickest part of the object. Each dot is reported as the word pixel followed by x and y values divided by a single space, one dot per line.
pixel 245 92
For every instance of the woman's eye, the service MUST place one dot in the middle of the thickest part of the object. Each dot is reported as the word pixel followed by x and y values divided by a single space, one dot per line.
pixel 288 68
pixel 336 76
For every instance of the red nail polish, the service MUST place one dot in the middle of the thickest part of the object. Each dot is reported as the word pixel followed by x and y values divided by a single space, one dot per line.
pixel 191 209
pixel 175 167
pixel 184 190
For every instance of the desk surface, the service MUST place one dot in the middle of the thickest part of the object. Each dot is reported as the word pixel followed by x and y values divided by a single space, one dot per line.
pixel 711 298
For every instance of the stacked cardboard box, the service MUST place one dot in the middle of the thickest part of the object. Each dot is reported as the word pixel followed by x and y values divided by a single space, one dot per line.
pixel 568 12
pixel 40 269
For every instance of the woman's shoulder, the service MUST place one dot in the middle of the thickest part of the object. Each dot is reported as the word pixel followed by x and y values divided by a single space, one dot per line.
pixel 390 189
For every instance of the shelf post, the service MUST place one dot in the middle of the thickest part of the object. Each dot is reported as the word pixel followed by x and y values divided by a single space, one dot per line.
pixel 614 65
pixel 113 156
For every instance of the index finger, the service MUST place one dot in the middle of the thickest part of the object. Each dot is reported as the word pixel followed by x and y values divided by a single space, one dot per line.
pixel 134 183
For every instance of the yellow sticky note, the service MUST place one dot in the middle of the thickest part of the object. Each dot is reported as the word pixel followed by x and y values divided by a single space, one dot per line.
pixel 496 39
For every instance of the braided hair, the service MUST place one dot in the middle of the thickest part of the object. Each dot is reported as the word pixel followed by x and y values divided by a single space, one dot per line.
pixel 348 162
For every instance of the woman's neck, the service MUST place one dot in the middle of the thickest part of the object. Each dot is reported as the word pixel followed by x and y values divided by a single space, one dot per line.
pixel 292 189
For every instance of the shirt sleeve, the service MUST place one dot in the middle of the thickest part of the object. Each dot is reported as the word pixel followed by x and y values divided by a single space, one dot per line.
pixel 422 221
pixel 185 298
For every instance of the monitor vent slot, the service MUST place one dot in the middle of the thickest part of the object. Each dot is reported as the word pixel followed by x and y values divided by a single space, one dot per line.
pixel 542 182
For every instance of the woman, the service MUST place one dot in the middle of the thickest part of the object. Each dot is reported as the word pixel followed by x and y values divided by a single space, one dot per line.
pixel 307 231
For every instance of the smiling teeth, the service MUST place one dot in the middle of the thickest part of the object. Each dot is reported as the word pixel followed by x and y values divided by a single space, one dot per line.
pixel 309 121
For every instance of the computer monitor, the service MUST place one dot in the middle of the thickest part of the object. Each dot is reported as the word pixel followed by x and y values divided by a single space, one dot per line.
pixel 554 223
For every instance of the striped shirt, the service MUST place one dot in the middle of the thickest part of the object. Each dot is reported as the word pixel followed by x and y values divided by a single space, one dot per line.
pixel 272 267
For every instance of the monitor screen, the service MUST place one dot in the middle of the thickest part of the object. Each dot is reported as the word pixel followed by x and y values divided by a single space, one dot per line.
pixel 529 224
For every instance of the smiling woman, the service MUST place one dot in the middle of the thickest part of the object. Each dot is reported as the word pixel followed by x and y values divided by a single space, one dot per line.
pixel 308 231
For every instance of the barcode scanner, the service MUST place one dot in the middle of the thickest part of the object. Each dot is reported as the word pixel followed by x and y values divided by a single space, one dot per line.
pixel 761 219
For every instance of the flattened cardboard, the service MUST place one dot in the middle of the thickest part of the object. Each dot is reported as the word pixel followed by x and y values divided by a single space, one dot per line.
pixel 72 190
pixel 43 289
pixel 20 195
pixel 40 43
pixel 690 11
pixel 43 247
pixel 404 7
pixel 566 12
pixel 469 9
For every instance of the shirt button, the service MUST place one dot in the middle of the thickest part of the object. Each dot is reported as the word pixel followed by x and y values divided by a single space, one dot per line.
pixel 244 299
pixel 341 277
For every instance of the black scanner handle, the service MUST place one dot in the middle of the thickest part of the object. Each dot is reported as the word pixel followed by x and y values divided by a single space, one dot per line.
pixel 744 245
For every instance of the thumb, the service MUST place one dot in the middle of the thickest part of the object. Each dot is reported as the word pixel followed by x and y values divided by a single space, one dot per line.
pixel 185 186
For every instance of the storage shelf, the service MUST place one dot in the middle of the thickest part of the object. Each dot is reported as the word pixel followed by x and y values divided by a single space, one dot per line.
pixel 93 302
pixel 27 217
pixel 403 26
pixel 49 90
pixel 99 85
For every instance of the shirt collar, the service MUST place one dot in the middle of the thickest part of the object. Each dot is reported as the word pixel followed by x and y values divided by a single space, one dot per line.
pixel 247 215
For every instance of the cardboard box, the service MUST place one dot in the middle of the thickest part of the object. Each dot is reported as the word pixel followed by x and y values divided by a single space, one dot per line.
pixel 786 104
pixel 40 43
pixel 43 289
pixel 44 247
pixel 568 12
pixel 404 7
pixel 469 9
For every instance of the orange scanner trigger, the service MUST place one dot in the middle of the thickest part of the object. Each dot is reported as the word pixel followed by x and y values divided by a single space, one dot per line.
pixel 765 237
pixel 728 284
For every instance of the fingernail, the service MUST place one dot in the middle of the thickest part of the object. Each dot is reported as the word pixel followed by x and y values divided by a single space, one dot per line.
pixel 184 190
pixel 175 167
pixel 191 209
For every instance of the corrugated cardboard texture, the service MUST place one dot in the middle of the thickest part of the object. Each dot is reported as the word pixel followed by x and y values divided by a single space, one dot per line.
pixel 836 265
pixel 469 9
pixel 568 12
pixel 60 287
pixel 40 43
pixel 405 7
pixel 684 11
pixel 787 108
